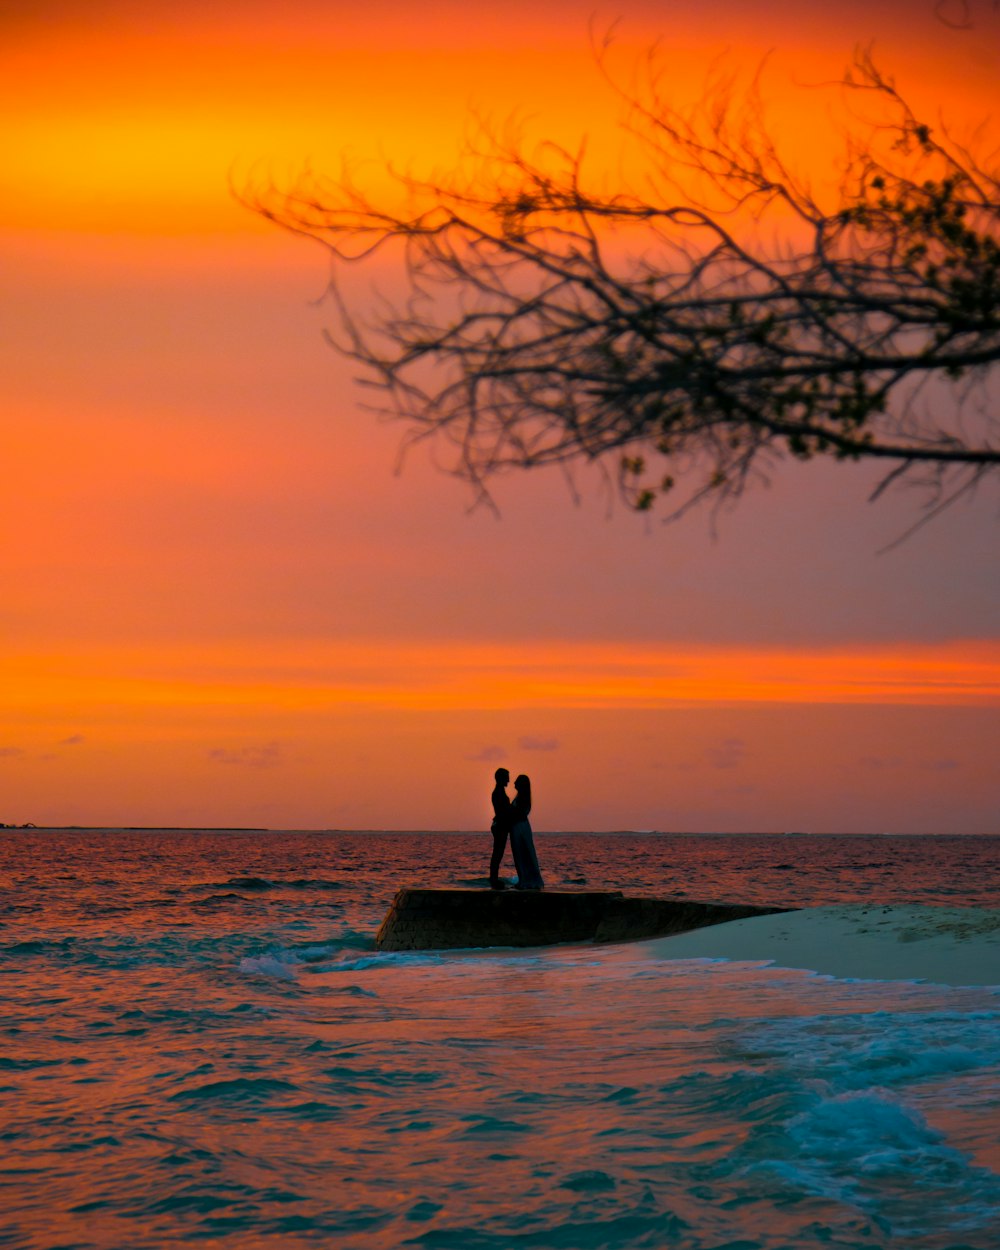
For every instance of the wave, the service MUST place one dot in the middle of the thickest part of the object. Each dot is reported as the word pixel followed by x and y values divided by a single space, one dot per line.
pixel 26 1065
pixel 270 966
pixel 883 1050
pixel 219 898
pixel 238 1089
pixel 862 1150
pixel 186 949
pixel 266 883
pixel 286 963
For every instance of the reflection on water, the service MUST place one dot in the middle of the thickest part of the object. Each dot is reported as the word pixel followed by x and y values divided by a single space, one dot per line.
pixel 199 1043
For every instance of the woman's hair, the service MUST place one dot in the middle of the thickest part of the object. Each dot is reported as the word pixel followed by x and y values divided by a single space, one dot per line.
pixel 522 785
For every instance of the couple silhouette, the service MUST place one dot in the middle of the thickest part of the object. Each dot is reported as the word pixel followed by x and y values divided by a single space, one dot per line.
pixel 511 819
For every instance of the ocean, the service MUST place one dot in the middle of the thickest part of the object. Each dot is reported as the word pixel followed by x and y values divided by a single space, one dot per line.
pixel 199 1044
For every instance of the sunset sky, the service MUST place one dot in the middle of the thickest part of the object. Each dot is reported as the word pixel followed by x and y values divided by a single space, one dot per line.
pixel 222 605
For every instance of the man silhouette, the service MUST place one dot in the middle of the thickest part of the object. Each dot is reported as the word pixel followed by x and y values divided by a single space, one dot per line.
pixel 501 825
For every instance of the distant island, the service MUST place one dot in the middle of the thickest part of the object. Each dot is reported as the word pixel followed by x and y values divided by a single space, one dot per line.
pixel 143 828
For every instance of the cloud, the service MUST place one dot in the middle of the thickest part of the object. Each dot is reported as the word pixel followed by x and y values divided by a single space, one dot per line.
pixel 10 753
pixel 728 754
pixel 885 763
pixel 488 755
pixel 73 740
pixel 265 756
pixel 538 744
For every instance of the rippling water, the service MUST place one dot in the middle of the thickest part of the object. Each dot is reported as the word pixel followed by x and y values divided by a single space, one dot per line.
pixel 198 1043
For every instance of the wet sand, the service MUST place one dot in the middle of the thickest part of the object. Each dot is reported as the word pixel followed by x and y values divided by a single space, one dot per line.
pixel 898 942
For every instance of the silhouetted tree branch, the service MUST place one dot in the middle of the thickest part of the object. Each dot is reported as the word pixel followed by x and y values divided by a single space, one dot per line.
pixel 548 321
pixel 959 14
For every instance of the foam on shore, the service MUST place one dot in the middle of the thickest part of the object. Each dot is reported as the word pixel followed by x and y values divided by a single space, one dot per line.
pixel 946 945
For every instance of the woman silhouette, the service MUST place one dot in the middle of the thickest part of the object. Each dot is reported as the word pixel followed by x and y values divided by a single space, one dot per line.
pixel 522 844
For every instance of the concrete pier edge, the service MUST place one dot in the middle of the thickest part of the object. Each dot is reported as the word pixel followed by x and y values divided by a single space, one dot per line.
pixel 423 918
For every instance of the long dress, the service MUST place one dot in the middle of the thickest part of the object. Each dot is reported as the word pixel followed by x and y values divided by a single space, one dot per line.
pixel 522 846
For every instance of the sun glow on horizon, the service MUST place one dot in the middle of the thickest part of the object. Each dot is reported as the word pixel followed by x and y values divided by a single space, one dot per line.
pixel 141 128
pixel 499 674
pixel 214 584
pixel 361 735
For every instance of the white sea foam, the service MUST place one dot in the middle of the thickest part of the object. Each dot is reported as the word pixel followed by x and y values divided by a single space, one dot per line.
pixel 857 1137
pixel 864 1151
pixel 283 965
pixel 882 1050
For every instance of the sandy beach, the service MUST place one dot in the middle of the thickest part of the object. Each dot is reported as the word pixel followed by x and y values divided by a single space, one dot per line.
pixel 945 945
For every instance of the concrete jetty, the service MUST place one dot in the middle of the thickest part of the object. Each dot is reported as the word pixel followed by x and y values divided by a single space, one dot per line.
pixel 447 919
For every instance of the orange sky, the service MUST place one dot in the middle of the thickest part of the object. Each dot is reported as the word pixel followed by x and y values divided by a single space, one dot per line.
pixel 217 592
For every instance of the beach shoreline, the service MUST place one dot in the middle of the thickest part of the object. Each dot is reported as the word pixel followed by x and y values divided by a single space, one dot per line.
pixel 884 942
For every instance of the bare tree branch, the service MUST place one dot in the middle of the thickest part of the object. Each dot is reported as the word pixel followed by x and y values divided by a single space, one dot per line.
pixel 550 321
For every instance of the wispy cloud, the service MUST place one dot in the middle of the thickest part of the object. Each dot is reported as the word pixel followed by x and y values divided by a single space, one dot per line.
pixel 888 763
pixel 264 756
pixel 488 755
pixel 73 740
pixel 10 753
pixel 877 763
pixel 728 753
pixel 528 743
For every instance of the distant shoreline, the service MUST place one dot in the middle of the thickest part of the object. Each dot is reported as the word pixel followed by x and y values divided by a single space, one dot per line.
pixel 140 829
pixel 557 833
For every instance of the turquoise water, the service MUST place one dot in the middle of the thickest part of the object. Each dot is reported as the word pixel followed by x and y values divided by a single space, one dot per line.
pixel 199 1044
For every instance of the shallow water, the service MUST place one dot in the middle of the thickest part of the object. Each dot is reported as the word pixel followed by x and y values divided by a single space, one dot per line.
pixel 199 1043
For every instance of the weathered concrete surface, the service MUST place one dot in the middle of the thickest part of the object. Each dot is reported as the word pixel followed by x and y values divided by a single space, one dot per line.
pixel 443 919
pixel 632 919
